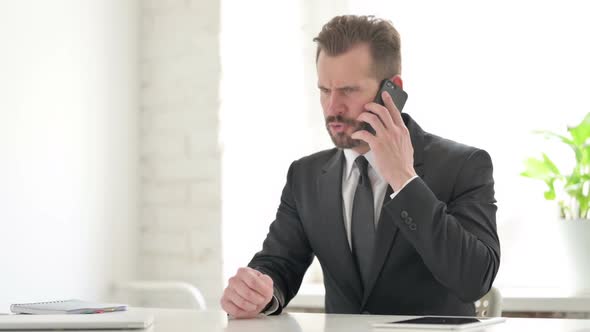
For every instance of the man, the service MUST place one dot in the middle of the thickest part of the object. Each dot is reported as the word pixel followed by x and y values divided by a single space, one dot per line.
pixel 402 221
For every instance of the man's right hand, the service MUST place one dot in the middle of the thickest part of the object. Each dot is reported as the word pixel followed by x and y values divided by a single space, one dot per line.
pixel 247 293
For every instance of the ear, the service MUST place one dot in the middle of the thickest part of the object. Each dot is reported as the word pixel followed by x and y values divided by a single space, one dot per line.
pixel 397 80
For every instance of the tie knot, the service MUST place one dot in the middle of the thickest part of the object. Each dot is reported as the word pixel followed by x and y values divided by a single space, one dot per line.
pixel 363 165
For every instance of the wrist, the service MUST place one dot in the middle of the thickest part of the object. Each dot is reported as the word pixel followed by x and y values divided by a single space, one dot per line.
pixel 272 307
pixel 401 179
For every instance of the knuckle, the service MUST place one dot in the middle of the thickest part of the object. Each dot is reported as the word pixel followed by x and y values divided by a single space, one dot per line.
pixel 247 280
pixel 227 307
pixel 226 294
pixel 268 296
pixel 244 304
pixel 233 284
pixel 239 302
pixel 248 294
pixel 268 292
pixel 372 115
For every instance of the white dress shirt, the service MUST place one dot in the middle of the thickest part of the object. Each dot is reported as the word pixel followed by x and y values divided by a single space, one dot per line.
pixel 350 180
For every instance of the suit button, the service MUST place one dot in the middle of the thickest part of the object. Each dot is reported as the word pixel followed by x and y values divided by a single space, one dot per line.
pixel 413 227
pixel 410 219
pixel 404 214
pixel 407 221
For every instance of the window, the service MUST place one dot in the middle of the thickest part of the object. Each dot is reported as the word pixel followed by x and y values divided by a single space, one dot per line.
pixel 485 74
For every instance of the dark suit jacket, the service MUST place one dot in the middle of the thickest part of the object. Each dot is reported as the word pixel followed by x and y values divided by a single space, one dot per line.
pixel 436 251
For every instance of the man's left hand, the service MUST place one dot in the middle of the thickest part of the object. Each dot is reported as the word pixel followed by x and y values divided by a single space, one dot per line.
pixel 391 144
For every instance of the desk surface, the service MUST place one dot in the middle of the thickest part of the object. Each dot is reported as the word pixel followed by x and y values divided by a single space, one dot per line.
pixel 514 299
pixel 175 320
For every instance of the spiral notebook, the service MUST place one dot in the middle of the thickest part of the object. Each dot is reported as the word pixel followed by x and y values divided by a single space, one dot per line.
pixel 66 307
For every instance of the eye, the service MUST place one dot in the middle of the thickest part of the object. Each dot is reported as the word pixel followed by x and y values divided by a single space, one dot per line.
pixel 323 90
pixel 348 90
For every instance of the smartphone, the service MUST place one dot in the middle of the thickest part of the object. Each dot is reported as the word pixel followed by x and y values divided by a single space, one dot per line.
pixel 398 95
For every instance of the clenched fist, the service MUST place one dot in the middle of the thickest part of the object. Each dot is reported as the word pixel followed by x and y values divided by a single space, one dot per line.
pixel 247 293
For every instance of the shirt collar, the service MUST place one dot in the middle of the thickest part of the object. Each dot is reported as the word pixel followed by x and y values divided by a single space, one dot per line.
pixel 351 156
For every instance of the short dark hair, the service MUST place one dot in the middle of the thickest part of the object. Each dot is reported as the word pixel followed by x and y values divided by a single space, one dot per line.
pixel 344 32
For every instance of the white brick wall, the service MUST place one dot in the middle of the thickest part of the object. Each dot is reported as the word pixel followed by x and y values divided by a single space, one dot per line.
pixel 180 163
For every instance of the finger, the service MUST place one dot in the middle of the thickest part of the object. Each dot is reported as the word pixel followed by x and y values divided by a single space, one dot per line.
pixel 268 280
pixel 265 278
pixel 396 115
pixel 244 291
pixel 232 309
pixel 250 278
pixel 382 112
pixel 372 119
pixel 239 301
pixel 270 283
pixel 364 135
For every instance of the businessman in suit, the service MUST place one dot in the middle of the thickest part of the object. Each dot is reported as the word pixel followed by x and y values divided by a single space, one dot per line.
pixel 402 221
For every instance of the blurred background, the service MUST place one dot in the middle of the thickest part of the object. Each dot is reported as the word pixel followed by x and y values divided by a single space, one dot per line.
pixel 150 140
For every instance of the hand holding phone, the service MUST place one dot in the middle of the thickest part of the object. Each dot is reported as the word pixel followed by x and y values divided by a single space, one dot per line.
pixel 398 95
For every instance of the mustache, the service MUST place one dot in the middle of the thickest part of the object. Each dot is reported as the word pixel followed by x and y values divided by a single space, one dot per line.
pixel 341 119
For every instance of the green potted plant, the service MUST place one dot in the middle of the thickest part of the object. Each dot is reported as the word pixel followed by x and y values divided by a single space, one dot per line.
pixel 573 198
pixel 571 190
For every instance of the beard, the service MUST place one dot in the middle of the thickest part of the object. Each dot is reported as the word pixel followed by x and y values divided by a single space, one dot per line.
pixel 343 140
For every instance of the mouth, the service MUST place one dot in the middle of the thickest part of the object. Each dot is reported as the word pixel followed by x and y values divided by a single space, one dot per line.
pixel 338 127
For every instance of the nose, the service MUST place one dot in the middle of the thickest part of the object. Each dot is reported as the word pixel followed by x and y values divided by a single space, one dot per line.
pixel 335 104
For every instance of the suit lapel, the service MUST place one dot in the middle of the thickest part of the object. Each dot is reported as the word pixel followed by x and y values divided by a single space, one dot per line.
pixel 387 229
pixel 330 194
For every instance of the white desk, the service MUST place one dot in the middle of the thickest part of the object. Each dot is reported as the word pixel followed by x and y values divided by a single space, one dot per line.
pixel 311 296
pixel 177 320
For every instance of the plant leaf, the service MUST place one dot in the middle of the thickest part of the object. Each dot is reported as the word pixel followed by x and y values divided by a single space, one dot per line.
pixel 575 184
pixel 550 165
pixel 549 195
pixel 540 169
pixel 585 154
pixel 581 132
pixel 549 135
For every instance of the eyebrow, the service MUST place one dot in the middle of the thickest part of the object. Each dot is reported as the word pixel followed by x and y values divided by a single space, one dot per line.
pixel 346 87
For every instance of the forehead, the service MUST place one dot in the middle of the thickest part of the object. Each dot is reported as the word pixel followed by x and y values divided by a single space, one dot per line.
pixel 350 66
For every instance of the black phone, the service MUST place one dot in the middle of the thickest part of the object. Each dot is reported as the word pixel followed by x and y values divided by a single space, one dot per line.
pixel 398 95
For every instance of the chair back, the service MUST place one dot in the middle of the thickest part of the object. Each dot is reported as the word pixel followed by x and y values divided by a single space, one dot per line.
pixel 490 305
pixel 150 293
